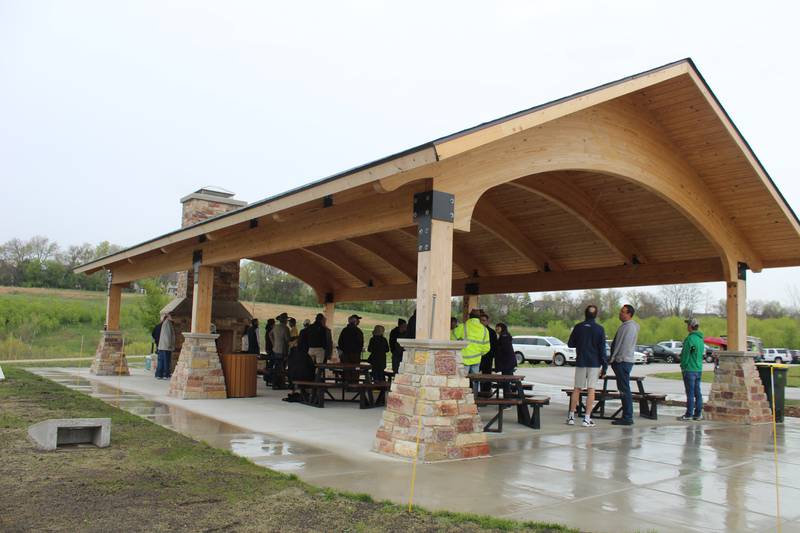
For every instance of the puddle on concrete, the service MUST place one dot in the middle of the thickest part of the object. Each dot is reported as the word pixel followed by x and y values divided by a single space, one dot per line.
pixel 265 450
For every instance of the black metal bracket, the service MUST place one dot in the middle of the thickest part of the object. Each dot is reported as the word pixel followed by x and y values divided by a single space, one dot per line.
pixel 202 238
pixel 430 206
pixel 327 201
pixel 471 288
pixel 328 297
pixel 109 280
pixel 197 260
pixel 253 223
pixel 741 271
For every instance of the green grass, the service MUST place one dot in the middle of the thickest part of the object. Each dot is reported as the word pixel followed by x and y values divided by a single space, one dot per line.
pixel 151 478
pixel 793 379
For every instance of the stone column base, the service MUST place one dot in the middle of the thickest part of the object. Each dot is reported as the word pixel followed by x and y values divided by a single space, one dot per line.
pixel 198 374
pixel 109 359
pixel 431 388
pixel 737 394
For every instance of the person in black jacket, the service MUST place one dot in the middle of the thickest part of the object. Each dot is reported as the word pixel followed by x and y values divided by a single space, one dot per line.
pixel 351 343
pixel 411 327
pixel 378 348
pixel 267 341
pixel 397 351
pixel 252 337
pixel 505 361
pixel 589 340
pixel 320 341
pixel 487 360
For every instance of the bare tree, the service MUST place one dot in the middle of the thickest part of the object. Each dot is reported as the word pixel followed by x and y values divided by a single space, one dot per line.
pixel 679 300
pixel 646 303
pixel 42 248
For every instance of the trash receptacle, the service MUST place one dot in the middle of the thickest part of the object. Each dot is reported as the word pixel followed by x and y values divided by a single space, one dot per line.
pixel 779 373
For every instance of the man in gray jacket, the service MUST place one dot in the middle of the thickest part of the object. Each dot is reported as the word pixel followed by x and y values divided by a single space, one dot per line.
pixel 622 361
pixel 166 345
pixel 280 336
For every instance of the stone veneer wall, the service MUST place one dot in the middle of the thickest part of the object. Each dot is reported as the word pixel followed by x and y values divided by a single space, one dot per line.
pixel 198 374
pixel 432 388
pixel 737 394
pixel 109 359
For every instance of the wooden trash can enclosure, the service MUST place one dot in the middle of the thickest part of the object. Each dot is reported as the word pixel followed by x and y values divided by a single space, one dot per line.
pixel 240 374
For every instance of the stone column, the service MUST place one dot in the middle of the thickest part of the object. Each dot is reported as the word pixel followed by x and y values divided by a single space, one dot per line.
pixel 198 374
pixel 431 398
pixel 737 394
pixel 109 359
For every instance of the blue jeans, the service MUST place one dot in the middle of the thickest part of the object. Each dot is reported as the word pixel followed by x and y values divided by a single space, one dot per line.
pixel 694 396
pixel 164 366
pixel 473 369
pixel 622 371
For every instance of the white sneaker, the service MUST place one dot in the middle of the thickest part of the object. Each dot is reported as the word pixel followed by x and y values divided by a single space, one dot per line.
pixel 570 420
pixel 588 423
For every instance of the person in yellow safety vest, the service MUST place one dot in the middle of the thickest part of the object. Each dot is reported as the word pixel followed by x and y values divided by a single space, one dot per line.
pixel 453 326
pixel 477 335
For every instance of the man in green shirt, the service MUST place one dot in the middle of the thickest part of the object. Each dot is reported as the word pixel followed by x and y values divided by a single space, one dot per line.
pixel 692 368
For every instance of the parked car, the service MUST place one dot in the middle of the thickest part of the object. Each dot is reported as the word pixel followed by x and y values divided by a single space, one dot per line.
pixel 639 358
pixel 647 350
pixel 662 353
pixel 776 355
pixel 533 348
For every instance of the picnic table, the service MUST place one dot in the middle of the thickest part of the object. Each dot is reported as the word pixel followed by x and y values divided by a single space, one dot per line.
pixel 353 378
pixel 528 406
pixel 648 402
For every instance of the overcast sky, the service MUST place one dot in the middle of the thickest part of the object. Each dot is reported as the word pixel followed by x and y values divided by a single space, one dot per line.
pixel 111 111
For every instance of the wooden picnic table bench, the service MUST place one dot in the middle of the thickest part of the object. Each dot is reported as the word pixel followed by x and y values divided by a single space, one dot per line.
pixel 528 406
pixel 648 402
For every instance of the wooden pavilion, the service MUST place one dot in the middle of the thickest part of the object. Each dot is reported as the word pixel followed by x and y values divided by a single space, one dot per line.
pixel 642 181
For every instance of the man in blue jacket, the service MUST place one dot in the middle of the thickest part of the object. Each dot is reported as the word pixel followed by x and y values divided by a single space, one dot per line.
pixel 589 340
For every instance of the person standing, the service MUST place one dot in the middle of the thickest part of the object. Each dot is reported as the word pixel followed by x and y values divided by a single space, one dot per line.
pixel 411 326
pixel 477 336
pixel 453 326
pixel 589 340
pixel 488 359
pixel 280 336
pixel 692 370
pixel 351 343
pixel 621 359
pixel 166 345
pixel 267 342
pixel 398 332
pixel 320 344
pixel 252 337
pixel 378 348
pixel 505 360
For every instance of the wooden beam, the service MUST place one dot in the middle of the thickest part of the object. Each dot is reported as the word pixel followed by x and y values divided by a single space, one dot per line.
pixel 202 299
pixel 376 245
pixel 736 305
pixel 555 188
pixel 694 271
pixel 463 260
pixel 434 284
pixel 296 264
pixel 491 219
pixel 339 258
pixel 113 307
pixel 329 310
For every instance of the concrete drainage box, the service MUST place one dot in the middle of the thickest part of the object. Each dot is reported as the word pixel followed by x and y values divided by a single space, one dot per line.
pixel 56 432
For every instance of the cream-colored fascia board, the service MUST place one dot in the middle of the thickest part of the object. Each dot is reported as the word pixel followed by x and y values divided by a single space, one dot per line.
pixel 374 173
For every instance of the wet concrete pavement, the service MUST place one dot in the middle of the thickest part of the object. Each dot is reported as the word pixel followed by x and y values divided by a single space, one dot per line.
pixel 655 476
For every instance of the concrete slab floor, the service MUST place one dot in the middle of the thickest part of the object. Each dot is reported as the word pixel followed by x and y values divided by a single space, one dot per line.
pixel 660 475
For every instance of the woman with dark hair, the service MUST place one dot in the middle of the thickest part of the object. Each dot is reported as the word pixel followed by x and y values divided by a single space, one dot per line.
pixel 505 360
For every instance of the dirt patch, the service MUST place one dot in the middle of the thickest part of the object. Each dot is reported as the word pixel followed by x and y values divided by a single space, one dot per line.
pixel 152 479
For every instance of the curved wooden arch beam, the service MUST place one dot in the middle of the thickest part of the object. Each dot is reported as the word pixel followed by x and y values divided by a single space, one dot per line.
pixel 337 257
pixel 463 260
pixel 614 138
pixel 294 263
pixel 377 246
pixel 492 220
pixel 577 203
pixel 375 253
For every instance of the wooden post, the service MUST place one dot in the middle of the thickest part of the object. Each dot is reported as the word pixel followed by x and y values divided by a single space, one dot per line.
pixel 328 310
pixel 433 212
pixel 470 303
pixel 113 304
pixel 202 298
pixel 737 316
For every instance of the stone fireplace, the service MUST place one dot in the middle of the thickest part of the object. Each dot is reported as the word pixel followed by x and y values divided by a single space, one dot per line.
pixel 228 315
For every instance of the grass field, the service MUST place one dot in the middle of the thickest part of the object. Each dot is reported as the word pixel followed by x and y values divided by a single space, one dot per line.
pixel 55 323
pixel 152 479
pixel 793 379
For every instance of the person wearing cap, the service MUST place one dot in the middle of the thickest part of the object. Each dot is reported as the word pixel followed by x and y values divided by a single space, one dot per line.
pixel 622 358
pixel 692 369
pixel 280 337
pixel 351 343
